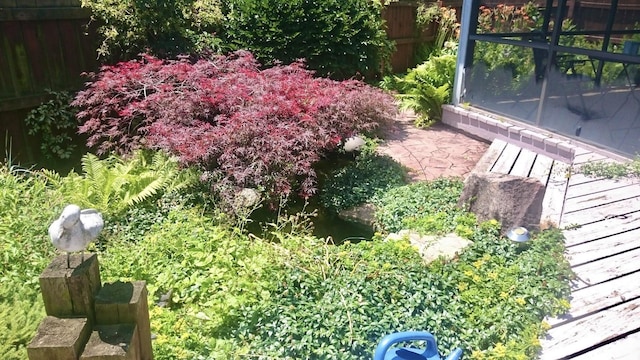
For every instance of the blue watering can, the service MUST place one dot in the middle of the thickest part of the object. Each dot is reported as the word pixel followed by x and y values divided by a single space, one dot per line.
pixel 386 351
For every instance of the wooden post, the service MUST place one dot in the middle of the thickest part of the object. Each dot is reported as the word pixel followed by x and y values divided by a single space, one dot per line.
pixel 126 303
pixel 112 342
pixel 70 291
pixel 59 339
pixel 88 321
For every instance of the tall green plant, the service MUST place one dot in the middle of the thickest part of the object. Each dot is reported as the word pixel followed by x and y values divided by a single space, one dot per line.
pixel 341 38
pixel 426 88
pixel 447 29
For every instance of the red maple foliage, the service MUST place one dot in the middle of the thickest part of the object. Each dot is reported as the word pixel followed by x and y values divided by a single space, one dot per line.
pixel 248 127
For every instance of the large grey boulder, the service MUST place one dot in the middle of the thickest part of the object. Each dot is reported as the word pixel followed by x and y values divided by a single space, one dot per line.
pixel 512 200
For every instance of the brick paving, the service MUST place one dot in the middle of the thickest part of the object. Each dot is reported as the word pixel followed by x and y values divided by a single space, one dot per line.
pixel 438 151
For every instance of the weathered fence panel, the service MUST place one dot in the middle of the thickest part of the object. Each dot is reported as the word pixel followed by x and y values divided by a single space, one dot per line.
pixel 44 44
pixel 400 18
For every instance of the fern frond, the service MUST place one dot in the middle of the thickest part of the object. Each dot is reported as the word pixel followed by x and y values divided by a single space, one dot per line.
pixel 144 188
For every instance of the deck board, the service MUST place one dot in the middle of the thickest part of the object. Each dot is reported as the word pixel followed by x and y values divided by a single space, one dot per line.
pixel 506 160
pixel 576 336
pixel 602 248
pixel 523 163
pixel 599 198
pixel 594 298
pixel 609 268
pixel 541 168
pixel 490 156
pixel 587 157
pixel 553 201
pixel 602 229
pixel 602 212
pixel 598 186
pixel 624 349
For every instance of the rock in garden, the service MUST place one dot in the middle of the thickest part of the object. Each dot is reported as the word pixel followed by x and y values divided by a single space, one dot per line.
pixel 432 247
pixel 353 143
pixel 363 214
pixel 512 200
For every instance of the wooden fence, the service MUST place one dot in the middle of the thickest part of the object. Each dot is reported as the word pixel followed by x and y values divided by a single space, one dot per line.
pixel 400 19
pixel 44 44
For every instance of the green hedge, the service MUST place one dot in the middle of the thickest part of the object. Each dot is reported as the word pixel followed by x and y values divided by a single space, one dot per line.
pixel 340 38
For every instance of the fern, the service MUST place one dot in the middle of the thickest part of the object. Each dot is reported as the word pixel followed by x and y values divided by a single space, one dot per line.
pixel 113 185
pixel 426 88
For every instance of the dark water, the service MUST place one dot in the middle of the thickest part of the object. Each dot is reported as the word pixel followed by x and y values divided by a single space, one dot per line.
pixel 325 222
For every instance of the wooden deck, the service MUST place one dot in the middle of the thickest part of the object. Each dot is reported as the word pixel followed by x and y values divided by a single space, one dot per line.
pixel 601 222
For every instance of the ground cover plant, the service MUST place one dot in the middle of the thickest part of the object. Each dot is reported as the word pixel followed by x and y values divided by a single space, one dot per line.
pixel 247 127
pixel 228 294
pixel 360 182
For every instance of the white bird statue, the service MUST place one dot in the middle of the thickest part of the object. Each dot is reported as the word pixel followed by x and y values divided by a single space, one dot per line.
pixel 75 229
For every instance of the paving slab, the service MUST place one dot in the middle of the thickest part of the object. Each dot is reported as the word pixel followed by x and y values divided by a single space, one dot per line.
pixel 437 151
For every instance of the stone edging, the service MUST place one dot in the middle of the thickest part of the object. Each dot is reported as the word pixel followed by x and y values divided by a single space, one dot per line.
pixel 491 127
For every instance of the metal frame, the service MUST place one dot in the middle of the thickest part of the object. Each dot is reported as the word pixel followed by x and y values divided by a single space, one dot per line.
pixel 469 36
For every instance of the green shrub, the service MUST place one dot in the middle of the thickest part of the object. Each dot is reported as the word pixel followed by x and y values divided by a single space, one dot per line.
pixel 164 28
pixel 425 88
pixel 207 272
pixel 357 184
pixel 341 38
pixel 55 122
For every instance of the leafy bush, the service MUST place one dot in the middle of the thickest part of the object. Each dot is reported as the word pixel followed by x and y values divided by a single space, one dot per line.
pixel 249 128
pixel 164 28
pixel 340 38
pixel 113 185
pixel 358 183
pixel 425 88
pixel 55 122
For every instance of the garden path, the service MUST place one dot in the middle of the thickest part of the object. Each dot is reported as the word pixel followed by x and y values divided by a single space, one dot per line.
pixel 437 151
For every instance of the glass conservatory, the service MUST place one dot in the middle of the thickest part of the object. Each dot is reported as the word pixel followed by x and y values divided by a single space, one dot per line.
pixel 568 66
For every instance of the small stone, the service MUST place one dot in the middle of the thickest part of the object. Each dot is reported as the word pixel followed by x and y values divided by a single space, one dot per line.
pixel 353 143
pixel 431 247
